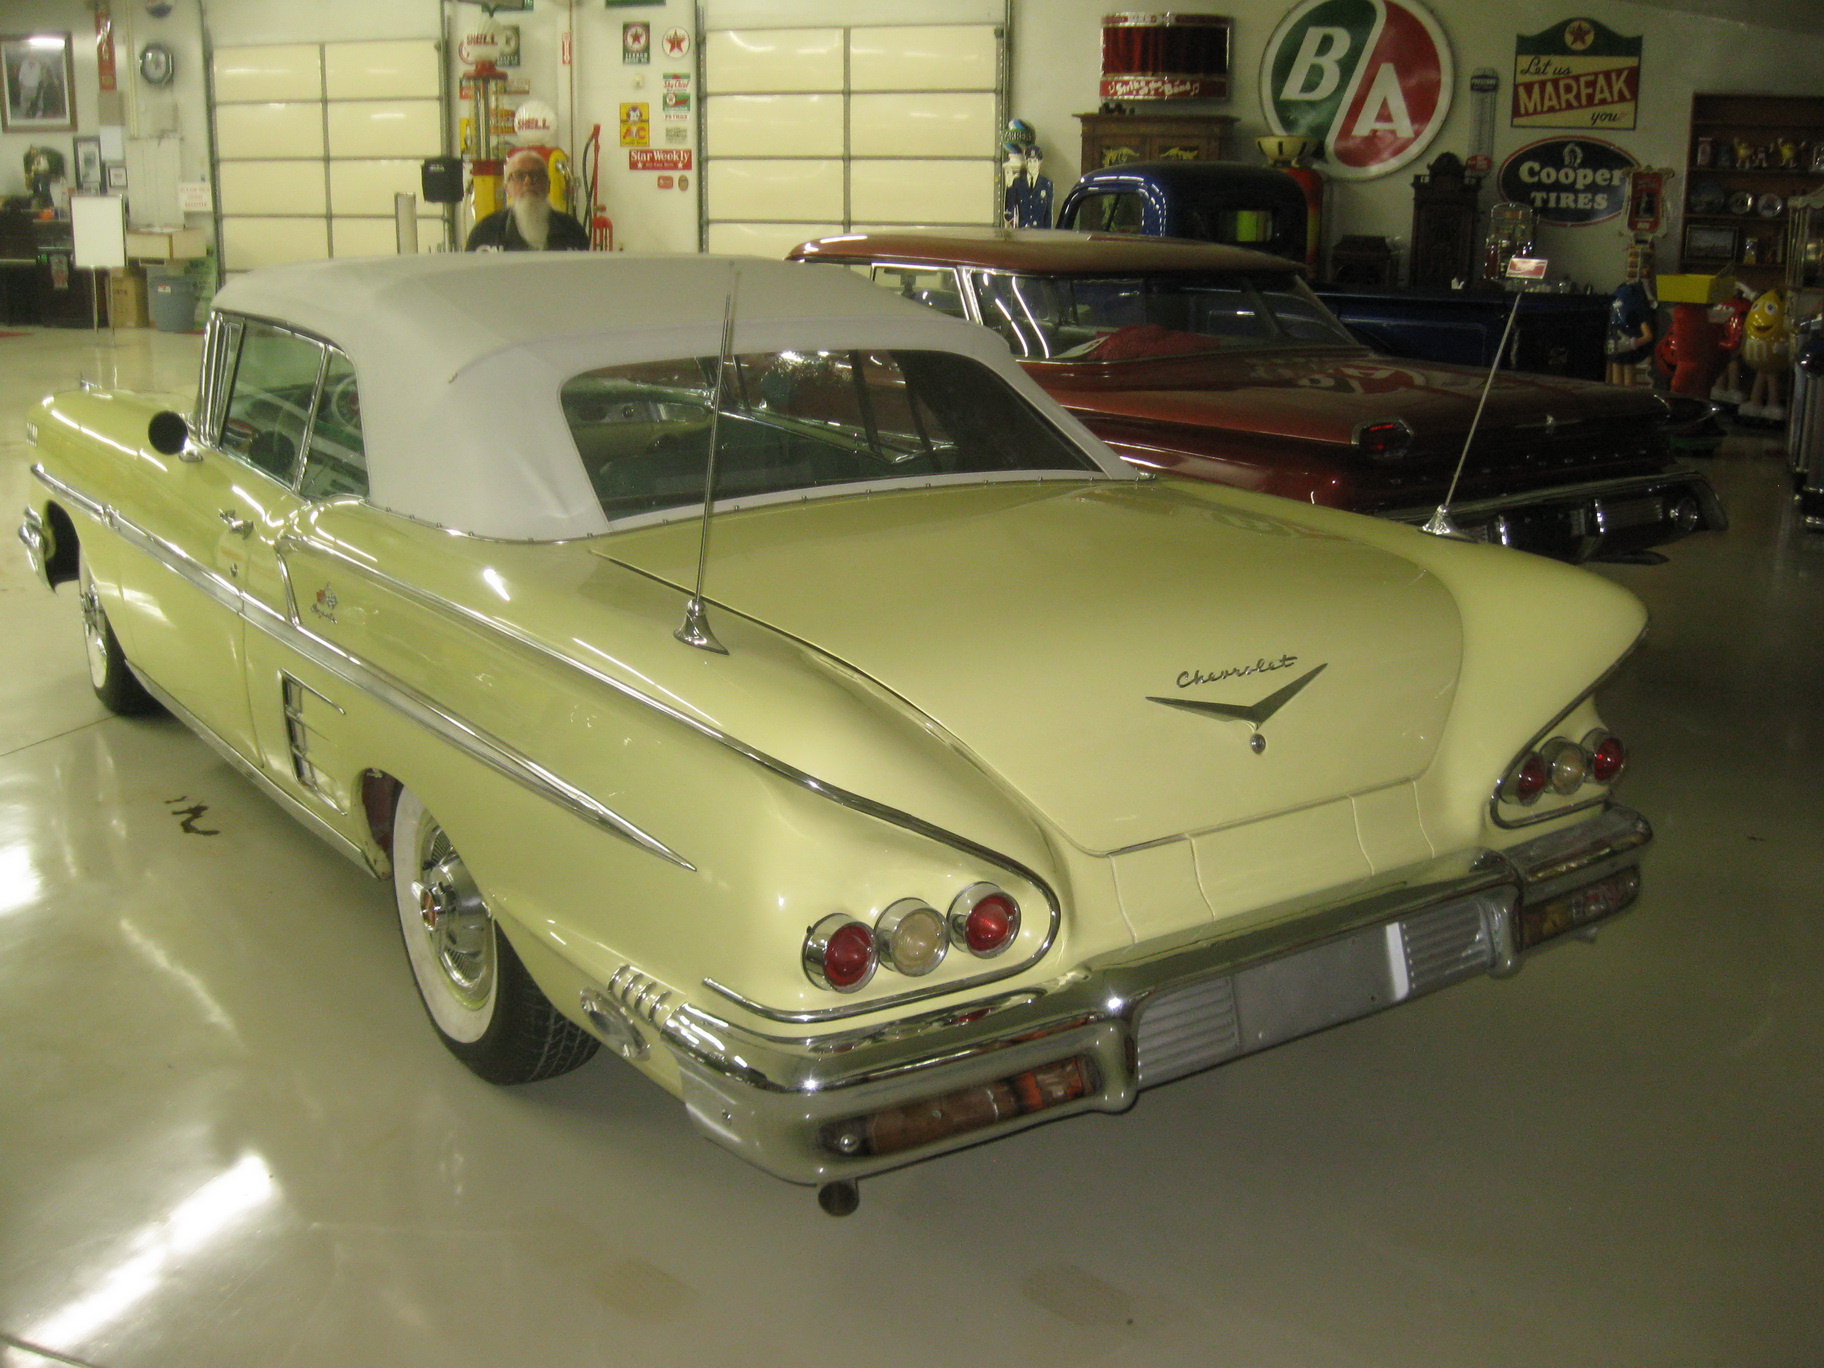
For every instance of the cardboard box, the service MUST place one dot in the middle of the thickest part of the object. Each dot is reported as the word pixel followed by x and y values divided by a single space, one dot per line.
pixel 127 298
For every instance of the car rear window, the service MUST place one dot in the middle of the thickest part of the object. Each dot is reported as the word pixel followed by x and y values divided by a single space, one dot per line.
pixel 801 420
pixel 1118 318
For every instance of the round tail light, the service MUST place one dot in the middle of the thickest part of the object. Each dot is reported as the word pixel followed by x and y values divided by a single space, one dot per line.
pixel 984 920
pixel 1527 780
pixel 1565 762
pixel 840 953
pixel 1607 757
pixel 1384 441
pixel 911 937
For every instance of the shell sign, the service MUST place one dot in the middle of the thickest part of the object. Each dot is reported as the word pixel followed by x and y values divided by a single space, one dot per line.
pixel 1369 80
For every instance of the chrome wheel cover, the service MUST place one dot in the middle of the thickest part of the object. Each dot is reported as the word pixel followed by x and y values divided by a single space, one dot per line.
pixel 94 629
pixel 454 920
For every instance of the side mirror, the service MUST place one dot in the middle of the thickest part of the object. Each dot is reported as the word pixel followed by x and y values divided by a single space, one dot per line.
pixel 168 433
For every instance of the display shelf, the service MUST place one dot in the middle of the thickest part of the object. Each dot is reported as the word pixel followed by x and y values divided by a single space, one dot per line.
pixel 1728 134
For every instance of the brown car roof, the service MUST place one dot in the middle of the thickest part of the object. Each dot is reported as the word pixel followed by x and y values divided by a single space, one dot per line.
pixel 1052 251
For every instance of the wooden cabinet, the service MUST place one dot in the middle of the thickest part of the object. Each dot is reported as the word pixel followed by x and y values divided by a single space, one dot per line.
pixel 1111 139
pixel 1749 156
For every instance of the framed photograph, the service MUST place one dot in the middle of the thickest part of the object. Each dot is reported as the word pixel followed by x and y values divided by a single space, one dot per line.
pixel 1710 242
pixel 117 176
pixel 37 83
pixel 88 165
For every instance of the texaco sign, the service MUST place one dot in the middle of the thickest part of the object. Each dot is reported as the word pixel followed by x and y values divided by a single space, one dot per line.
pixel 1370 80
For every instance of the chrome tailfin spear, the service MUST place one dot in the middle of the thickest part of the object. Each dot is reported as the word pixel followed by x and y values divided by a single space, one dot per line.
pixel 1521 269
pixel 694 631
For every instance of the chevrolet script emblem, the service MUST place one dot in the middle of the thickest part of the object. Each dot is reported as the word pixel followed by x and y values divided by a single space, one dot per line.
pixel 1254 714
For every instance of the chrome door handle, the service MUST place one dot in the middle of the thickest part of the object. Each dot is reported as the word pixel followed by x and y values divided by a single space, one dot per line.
pixel 236 523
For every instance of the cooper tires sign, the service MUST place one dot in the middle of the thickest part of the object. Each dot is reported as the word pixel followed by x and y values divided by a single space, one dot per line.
pixel 1368 80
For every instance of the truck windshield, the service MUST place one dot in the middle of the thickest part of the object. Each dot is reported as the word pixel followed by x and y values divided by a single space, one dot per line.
pixel 1129 318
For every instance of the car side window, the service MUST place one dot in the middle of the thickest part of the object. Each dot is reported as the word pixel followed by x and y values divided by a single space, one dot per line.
pixel 336 462
pixel 269 399
pixel 931 286
pixel 1114 212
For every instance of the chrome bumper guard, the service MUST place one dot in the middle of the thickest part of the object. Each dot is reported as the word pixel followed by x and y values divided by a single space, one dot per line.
pixel 831 1107
pixel 31 533
pixel 1583 520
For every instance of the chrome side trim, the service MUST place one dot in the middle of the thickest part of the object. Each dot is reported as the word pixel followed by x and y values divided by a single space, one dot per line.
pixel 95 510
pixel 252 773
pixel 792 774
pixel 1684 480
pixel 289 633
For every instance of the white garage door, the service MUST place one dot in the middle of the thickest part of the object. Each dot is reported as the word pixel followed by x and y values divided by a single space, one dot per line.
pixel 313 140
pixel 814 129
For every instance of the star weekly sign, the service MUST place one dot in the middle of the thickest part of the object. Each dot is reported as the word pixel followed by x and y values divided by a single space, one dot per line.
pixel 1369 80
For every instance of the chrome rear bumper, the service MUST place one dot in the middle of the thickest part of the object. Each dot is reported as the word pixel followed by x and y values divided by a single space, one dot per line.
pixel 1582 521
pixel 840 1106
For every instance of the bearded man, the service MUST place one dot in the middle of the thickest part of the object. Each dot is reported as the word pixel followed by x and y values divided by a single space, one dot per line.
pixel 528 223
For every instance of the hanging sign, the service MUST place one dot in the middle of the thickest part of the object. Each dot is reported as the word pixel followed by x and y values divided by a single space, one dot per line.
pixel 658 159
pixel 1369 80
pixel 636 125
pixel 1569 181
pixel 677 42
pixel 1576 74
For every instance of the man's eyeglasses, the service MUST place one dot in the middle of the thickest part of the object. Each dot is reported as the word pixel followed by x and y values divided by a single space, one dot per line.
pixel 529 178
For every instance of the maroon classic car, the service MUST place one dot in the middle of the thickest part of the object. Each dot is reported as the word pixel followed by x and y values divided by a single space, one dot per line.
pixel 1219 363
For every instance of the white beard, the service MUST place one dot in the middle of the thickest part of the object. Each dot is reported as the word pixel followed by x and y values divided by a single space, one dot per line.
pixel 532 213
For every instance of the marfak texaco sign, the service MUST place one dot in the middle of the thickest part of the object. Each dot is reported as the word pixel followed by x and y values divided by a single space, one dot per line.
pixel 1370 80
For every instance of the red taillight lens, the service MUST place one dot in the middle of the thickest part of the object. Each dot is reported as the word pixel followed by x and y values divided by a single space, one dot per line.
pixel 1528 780
pixel 839 953
pixel 1383 441
pixel 1608 757
pixel 984 920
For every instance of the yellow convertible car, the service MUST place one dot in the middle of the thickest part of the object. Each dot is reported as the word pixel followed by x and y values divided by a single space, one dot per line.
pixel 757 674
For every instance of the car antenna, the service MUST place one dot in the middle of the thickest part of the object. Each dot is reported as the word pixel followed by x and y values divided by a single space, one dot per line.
pixel 1520 269
pixel 694 631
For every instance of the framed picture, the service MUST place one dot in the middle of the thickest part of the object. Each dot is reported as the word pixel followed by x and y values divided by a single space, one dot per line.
pixel 1710 242
pixel 37 83
pixel 88 165
pixel 117 176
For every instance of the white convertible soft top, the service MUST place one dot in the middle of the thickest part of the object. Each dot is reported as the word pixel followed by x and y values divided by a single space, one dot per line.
pixel 460 358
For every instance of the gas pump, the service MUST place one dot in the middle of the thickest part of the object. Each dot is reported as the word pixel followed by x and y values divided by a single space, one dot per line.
pixel 482 79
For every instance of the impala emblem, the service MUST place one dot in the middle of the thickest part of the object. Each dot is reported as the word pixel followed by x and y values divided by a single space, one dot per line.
pixel 324 606
pixel 1254 714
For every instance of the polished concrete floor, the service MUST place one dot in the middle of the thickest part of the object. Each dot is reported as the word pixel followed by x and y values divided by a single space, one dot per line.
pixel 227 1137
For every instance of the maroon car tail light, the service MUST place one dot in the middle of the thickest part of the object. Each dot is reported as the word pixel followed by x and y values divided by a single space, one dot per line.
pixel 912 937
pixel 1526 780
pixel 840 953
pixel 1384 441
pixel 984 920
pixel 931 1119
pixel 1605 755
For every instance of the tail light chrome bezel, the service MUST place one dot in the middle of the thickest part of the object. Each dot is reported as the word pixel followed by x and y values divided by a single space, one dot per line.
pixel 886 931
pixel 816 949
pixel 965 903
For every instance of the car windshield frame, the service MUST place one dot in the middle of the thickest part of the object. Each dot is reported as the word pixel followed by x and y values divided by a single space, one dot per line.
pixel 802 424
pixel 1070 318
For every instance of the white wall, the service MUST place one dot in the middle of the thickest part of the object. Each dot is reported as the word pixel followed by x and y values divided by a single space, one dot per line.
pixel 1057 65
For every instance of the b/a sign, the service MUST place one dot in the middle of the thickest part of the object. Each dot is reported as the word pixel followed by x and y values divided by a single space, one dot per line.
pixel 1369 80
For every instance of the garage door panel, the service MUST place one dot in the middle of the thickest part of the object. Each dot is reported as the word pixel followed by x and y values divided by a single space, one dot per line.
pixel 380 236
pixel 773 60
pixel 368 187
pixel 385 128
pixel 922 125
pixel 272 187
pixel 293 71
pixel 265 131
pixel 924 57
pixel 762 189
pixel 771 240
pixel 249 243
pixel 762 125
pixel 948 192
pixel 381 71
